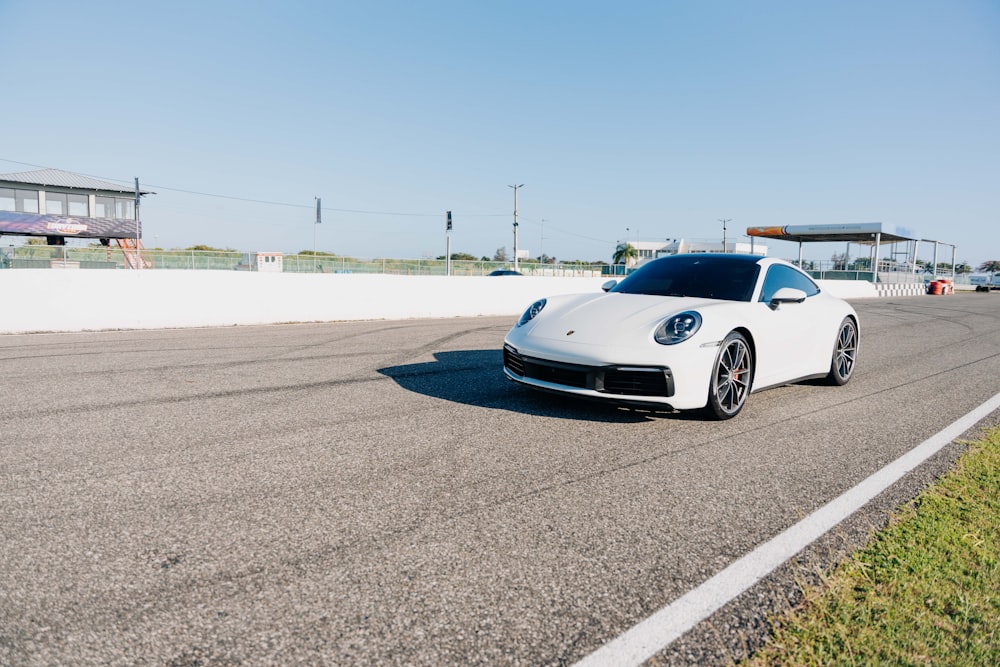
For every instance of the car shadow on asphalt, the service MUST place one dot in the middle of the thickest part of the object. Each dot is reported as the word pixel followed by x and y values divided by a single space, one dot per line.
pixel 475 377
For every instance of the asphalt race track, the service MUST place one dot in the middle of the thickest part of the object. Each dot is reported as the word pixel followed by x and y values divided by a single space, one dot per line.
pixel 376 493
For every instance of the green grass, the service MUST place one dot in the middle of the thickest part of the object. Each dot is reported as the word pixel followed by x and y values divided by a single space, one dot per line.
pixel 925 591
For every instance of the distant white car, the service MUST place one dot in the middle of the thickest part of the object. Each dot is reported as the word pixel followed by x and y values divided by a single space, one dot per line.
pixel 698 331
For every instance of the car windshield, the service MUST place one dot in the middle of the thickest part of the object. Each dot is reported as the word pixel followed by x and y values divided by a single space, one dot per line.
pixel 731 278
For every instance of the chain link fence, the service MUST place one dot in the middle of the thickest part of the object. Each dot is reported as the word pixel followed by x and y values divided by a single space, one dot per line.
pixel 113 257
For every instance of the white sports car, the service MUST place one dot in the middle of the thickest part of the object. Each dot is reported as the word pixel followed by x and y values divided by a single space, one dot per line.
pixel 687 332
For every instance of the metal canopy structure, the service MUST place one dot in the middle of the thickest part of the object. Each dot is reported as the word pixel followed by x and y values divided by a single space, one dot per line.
pixel 873 234
pixel 866 233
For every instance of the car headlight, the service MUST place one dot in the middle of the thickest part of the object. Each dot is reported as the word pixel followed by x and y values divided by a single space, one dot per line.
pixel 677 328
pixel 532 312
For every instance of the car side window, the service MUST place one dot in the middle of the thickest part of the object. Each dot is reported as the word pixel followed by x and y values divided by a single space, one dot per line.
pixel 779 276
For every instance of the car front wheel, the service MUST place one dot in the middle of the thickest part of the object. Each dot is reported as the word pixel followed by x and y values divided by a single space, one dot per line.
pixel 845 353
pixel 731 378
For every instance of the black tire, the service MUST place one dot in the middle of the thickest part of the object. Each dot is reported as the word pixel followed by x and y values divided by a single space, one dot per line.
pixel 845 353
pixel 732 375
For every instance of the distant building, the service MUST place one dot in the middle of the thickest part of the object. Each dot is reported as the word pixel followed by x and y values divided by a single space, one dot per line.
pixel 647 250
pixel 57 204
pixel 266 262
pixel 680 247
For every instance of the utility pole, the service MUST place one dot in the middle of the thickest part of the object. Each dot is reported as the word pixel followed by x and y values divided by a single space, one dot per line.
pixel 138 228
pixel 319 219
pixel 541 240
pixel 447 234
pixel 724 221
pixel 516 187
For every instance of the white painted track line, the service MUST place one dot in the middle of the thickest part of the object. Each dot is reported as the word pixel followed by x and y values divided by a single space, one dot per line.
pixel 655 633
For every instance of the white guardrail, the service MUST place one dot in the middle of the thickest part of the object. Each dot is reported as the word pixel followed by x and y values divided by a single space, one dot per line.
pixel 59 301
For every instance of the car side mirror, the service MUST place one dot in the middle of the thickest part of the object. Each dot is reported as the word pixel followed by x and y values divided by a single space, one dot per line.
pixel 608 285
pixel 787 295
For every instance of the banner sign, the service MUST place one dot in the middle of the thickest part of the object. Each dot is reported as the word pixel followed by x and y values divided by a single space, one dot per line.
pixel 816 230
pixel 862 232
pixel 33 224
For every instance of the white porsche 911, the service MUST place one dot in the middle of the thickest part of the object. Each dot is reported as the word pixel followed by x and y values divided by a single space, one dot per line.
pixel 687 332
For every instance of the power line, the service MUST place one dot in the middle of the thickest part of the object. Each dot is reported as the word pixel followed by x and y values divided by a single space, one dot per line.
pixel 568 233
pixel 311 206
pixel 270 203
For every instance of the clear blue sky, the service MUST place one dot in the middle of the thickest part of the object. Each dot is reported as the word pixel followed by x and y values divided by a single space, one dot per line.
pixel 654 117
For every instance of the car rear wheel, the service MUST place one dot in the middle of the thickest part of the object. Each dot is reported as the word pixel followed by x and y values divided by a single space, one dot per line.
pixel 731 378
pixel 845 353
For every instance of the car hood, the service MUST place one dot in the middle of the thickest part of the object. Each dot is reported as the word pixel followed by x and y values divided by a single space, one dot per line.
pixel 600 319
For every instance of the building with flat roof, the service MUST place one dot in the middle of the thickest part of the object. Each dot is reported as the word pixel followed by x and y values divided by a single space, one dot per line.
pixel 648 250
pixel 57 205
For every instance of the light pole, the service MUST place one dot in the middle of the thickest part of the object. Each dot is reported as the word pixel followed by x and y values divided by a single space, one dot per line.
pixel 138 227
pixel 724 221
pixel 447 234
pixel 541 240
pixel 319 219
pixel 516 187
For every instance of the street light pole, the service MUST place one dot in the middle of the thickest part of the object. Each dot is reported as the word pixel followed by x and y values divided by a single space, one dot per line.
pixel 516 187
pixel 138 225
pixel 319 219
pixel 724 221
pixel 541 240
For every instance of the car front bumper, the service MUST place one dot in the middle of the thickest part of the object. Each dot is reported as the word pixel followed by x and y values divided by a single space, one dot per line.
pixel 682 384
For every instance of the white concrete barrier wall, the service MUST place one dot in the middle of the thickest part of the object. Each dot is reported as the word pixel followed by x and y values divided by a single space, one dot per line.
pixel 36 300
pixel 849 289
pixel 57 300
